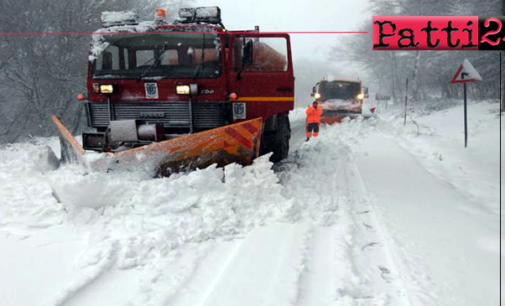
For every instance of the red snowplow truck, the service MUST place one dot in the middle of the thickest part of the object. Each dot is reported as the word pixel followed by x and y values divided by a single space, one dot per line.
pixel 186 95
pixel 339 99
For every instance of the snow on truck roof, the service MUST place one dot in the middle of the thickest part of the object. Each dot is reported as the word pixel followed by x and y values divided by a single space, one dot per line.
pixel 198 20
pixel 119 18
pixel 99 44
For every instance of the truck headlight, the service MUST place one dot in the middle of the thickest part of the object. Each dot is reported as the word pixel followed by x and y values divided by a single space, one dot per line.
pixel 182 89
pixel 317 95
pixel 191 89
pixel 361 96
pixel 106 89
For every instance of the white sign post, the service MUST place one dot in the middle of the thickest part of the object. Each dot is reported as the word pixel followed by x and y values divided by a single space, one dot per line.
pixel 466 74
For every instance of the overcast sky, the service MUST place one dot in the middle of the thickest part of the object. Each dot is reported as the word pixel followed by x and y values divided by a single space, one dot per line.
pixel 295 15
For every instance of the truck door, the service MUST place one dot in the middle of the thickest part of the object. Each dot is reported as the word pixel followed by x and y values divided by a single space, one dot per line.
pixel 261 75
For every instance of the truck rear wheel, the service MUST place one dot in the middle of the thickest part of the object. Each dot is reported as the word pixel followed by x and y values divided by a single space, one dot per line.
pixel 277 141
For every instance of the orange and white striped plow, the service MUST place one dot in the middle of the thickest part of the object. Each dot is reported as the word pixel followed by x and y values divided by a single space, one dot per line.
pixel 235 143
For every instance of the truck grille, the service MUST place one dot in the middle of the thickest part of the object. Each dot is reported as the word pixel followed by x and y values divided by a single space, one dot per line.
pixel 206 115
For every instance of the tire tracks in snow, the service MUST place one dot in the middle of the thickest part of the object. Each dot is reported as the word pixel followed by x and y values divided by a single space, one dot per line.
pixel 204 279
pixel 318 280
pixel 375 252
pixel 349 261
pixel 263 268
pixel 422 253
pixel 331 251
pixel 91 275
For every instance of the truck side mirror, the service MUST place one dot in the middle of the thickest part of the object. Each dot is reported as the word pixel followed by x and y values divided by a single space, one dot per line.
pixel 313 90
pixel 247 53
pixel 366 92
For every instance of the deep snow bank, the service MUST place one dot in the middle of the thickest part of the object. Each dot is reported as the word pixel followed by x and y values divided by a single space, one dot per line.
pixel 156 231
pixel 145 218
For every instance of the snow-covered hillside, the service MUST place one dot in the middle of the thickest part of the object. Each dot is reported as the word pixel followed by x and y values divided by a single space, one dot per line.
pixel 369 213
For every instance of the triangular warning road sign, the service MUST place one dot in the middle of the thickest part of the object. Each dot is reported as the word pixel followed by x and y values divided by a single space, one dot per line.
pixel 466 74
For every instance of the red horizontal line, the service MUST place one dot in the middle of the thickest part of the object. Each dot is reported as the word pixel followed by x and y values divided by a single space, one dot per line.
pixel 155 33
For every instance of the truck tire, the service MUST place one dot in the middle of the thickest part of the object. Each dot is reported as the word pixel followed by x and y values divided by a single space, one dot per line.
pixel 277 141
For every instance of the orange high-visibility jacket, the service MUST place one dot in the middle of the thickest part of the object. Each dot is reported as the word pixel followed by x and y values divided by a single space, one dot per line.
pixel 314 115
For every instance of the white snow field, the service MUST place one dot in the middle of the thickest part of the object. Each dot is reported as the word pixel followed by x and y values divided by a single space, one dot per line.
pixel 369 213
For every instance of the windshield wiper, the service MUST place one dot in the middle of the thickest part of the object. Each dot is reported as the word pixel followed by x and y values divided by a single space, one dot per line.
pixel 200 66
pixel 156 62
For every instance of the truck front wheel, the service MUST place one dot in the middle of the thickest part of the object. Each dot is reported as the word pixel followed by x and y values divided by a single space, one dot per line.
pixel 277 141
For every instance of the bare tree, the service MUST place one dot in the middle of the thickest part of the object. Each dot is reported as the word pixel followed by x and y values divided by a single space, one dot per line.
pixel 41 74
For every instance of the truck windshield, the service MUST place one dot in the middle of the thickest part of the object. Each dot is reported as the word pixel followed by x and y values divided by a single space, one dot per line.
pixel 340 90
pixel 170 56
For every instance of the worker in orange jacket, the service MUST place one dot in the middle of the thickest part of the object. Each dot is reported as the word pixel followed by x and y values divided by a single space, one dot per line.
pixel 314 113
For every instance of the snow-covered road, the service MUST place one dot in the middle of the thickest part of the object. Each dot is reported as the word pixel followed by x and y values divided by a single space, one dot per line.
pixel 369 213
pixel 445 244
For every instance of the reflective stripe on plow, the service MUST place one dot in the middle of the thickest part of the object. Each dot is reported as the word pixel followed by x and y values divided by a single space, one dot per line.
pixel 251 128
pixel 237 136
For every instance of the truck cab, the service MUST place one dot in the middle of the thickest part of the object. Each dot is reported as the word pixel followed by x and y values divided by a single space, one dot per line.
pixel 171 80
pixel 340 98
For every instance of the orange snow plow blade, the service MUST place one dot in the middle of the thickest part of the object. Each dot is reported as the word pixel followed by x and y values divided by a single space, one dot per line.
pixel 71 149
pixel 237 143
pixel 336 114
